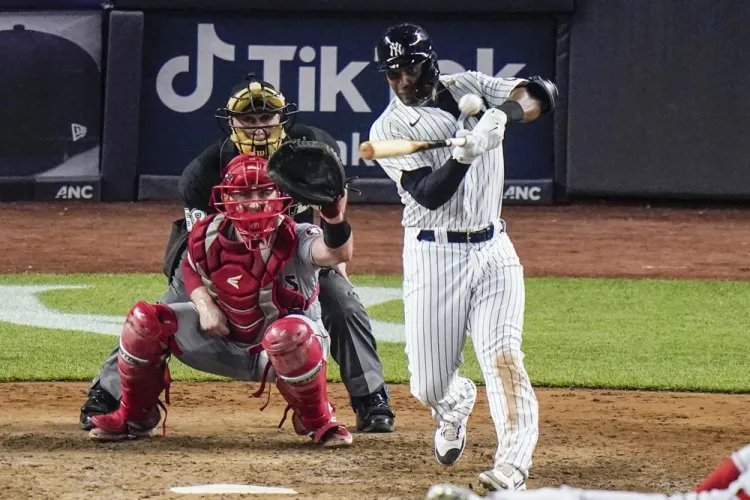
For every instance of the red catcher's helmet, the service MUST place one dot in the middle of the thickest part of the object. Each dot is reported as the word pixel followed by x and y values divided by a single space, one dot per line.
pixel 248 197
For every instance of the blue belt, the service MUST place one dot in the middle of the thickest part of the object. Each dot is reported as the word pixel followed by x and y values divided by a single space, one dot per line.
pixel 461 237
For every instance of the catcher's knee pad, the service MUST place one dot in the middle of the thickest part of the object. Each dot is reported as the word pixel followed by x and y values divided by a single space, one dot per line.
pixel 293 349
pixel 147 333
pixel 299 361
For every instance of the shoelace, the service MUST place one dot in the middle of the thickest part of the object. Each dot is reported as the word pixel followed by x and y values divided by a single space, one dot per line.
pixel 450 431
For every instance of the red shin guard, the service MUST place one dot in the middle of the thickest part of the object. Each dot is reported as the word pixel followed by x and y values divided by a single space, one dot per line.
pixel 297 358
pixel 147 336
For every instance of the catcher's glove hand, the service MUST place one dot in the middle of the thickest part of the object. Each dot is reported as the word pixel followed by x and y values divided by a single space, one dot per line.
pixel 310 172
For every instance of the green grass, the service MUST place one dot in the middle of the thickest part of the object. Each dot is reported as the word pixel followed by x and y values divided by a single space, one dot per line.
pixel 684 335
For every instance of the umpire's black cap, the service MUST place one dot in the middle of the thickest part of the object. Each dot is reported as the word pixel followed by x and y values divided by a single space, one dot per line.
pixel 50 92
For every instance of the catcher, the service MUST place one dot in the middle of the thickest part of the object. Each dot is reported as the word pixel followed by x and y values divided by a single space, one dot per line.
pixel 729 481
pixel 259 120
pixel 252 277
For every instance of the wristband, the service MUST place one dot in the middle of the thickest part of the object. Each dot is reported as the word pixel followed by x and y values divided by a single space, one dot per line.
pixel 513 109
pixel 336 235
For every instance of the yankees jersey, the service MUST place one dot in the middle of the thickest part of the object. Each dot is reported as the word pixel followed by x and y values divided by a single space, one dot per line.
pixel 478 200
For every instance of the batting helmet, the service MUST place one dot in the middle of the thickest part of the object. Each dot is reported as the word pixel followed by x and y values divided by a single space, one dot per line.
pixel 406 45
pixel 249 198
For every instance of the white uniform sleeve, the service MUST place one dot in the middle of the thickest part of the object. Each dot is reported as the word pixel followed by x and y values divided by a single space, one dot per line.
pixel 307 234
pixel 495 90
pixel 386 128
pixel 741 459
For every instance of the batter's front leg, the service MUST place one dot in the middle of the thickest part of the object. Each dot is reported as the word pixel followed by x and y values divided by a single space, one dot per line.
pixel 496 325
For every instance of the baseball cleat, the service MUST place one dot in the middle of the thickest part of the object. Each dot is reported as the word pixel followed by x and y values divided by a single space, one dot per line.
pixel 506 477
pixel 117 427
pixel 450 442
pixel 337 437
pixel 451 492
pixel 131 433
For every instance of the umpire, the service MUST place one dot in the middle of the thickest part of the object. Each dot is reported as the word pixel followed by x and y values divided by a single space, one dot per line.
pixel 257 117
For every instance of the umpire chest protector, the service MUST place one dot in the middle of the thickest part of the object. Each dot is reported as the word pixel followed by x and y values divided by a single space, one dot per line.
pixel 247 285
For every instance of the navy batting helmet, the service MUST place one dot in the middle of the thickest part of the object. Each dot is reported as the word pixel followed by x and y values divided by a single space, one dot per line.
pixel 405 45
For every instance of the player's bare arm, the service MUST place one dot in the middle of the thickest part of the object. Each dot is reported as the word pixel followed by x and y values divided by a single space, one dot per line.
pixel 535 97
pixel 337 244
pixel 212 319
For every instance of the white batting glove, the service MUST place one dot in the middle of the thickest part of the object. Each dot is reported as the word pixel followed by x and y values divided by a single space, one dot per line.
pixel 492 125
pixel 476 145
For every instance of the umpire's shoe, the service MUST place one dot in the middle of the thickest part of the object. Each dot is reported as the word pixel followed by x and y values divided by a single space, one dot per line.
pixel 373 412
pixel 99 402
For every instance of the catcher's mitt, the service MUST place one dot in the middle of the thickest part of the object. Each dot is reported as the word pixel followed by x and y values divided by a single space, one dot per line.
pixel 309 171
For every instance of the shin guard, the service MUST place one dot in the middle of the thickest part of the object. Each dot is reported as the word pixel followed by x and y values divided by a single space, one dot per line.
pixel 298 359
pixel 147 340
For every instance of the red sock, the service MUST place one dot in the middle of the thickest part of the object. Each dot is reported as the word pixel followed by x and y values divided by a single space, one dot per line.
pixel 721 478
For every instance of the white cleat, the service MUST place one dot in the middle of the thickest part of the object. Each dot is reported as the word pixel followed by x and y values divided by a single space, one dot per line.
pixel 505 477
pixel 450 442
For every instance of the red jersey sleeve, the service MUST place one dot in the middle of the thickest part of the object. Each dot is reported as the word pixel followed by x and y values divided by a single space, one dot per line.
pixel 190 276
pixel 727 472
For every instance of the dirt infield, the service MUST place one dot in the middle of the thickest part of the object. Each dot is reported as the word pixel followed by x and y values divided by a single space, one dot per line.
pixel 594 439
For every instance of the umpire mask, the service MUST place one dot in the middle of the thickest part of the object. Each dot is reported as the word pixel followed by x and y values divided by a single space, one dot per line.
pixel 256 117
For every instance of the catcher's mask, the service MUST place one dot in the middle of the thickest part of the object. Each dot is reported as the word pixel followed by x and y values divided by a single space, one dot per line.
pixel 250 199
pixel 256 117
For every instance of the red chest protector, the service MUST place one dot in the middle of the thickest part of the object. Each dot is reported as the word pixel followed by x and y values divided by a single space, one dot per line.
pixel 244 283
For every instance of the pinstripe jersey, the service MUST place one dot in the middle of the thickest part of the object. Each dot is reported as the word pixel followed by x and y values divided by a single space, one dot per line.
pixel 478 200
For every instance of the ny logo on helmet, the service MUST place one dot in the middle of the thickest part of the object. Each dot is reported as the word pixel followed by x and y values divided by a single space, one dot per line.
pixel 396 49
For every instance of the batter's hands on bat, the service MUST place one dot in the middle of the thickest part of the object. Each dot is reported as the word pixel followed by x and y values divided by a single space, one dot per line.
pixel 475 146
pixel 488 134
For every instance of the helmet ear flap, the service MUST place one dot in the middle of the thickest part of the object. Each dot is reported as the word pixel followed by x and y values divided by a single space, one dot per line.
pixel 428 79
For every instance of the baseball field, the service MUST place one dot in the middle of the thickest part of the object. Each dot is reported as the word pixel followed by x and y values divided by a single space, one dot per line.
pixel 635 339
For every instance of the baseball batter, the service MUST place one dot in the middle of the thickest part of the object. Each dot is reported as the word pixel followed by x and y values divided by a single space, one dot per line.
pixel 730 481
pixel 252 277
pixel 461 272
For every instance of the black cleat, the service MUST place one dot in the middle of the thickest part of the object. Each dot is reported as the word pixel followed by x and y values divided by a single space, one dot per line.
pixel 99 402
pixel 373 413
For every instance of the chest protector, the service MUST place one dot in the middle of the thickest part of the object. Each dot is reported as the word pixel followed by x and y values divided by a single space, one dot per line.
pixel 247 284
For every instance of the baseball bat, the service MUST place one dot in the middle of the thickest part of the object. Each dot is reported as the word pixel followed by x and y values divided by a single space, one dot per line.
pixel 372 150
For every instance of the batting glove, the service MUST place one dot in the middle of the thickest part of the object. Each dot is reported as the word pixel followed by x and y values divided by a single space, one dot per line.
pixel 492 125
pixel 476 145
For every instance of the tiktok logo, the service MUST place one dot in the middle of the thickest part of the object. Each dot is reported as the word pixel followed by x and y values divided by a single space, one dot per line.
pixel 322 84
pixel 322 80
pixel 209 46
